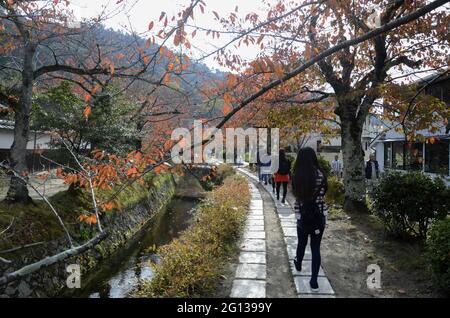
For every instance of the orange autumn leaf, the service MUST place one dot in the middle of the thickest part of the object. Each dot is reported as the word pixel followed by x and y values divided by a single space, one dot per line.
pixel 87 112
pixel 108 206
pixel 132 172
pixel 157 169
pixel 227 109
pixel 91 220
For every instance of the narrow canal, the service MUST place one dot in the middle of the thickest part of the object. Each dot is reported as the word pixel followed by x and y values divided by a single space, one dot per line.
pixel 117 276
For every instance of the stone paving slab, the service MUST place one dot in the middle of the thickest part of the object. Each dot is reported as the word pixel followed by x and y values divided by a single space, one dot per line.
pixel 284 210
pixel 306 269
pixel 255 235
pixel 289 225
pixel 315 296
pixel 259 228
pixel 252 257
pixel 292 252
pixel 254 222
pixel 251 271
pixel 255 245
pixel 291 247
pixel 246 288
pixel 302 285
pixel 290 216
pixel 290 231
pixel 288 222
pixel 255 217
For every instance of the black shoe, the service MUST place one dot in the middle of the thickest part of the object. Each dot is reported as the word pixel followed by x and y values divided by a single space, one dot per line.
pixel 314 286
pixel 298 266
pixel 283 201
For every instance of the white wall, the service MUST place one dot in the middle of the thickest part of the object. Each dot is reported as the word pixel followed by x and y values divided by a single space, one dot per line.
pixel 379 148
pixel 7 138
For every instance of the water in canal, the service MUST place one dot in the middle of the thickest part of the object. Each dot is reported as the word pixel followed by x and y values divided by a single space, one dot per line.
pixel 123 272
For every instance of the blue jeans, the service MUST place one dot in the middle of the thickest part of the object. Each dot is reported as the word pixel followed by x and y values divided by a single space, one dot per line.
pixel 315 248
pixel 265 177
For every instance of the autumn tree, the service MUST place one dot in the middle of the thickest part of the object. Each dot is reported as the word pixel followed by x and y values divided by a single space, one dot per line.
pixel 300 33
pixel 42 46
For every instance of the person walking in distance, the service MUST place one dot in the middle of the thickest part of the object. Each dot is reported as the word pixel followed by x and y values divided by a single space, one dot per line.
pixel 309 185
pixel 282 175
pixel 336 167
pixel 372 172
pixel 265 168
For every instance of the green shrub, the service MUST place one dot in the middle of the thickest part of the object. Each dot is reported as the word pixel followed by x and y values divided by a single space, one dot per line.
pixel 324 165
pixel 335 192
pixel 192 264
pixel 406 203
pixel 438 252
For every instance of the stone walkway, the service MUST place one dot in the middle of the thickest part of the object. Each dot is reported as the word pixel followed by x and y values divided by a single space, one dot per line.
pixel 251 272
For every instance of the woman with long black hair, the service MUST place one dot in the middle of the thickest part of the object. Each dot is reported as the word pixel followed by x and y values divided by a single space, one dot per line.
pixel 309 185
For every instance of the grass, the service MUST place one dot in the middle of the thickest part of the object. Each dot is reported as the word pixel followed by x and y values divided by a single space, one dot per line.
pixel 191 266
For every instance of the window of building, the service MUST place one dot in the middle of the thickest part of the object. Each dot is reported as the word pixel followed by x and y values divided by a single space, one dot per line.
pixel 398 155
pixel 414 156
pixel 437 157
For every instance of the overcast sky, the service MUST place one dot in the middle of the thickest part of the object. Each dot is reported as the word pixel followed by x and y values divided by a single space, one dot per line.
pixel 141 12
pixel 145 11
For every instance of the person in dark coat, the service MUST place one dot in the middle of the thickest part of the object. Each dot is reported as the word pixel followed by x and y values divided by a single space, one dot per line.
pixel 372 172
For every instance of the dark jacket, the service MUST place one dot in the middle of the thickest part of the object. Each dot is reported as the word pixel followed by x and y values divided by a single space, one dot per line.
pixel 284 167
pixel 369 169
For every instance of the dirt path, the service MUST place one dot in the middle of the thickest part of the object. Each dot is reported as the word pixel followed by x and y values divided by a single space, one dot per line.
pixel 47 187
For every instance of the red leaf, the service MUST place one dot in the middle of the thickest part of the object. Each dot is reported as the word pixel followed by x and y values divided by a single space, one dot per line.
pixel 150 26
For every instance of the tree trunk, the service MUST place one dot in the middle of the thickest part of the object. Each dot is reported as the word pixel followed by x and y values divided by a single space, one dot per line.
pixel 353 159
pixel 18 191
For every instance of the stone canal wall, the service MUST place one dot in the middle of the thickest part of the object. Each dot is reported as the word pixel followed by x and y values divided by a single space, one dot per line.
pixel 121 226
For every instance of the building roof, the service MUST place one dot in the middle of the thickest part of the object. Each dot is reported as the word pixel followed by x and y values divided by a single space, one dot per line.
pixel 436 77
